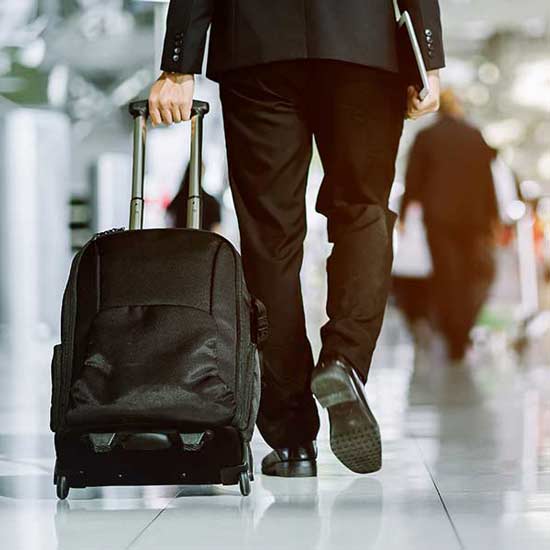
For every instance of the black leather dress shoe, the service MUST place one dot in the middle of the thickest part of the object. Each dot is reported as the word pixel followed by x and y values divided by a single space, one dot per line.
pixel 354 432
pixel 291 462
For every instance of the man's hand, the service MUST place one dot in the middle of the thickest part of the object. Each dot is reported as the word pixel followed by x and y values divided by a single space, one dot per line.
pixel 171 98
pixel 430 104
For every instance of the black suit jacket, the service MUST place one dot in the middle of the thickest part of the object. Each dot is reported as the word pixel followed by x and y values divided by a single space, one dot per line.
pixel 252 32
pixel 449 173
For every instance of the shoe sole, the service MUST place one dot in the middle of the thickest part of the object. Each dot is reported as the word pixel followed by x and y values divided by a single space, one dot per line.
pixel 292 469
pixel 354 434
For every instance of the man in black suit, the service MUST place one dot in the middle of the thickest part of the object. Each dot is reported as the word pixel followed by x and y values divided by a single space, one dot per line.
pixel 290 71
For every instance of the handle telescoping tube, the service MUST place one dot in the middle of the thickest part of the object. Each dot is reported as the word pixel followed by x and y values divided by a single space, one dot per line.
pixel 140 112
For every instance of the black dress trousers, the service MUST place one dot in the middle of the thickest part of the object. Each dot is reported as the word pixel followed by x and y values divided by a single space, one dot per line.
pixel 272 113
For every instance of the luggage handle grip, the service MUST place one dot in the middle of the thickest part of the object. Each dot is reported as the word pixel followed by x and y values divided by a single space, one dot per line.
pixel 140 113
pixel 141 108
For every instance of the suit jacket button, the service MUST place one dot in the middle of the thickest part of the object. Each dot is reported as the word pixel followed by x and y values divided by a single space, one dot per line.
pixel 176 58
pixel 177 50
pixel 428 32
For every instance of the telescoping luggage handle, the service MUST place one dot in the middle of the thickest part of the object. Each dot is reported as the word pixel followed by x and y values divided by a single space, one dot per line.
pixel 140 112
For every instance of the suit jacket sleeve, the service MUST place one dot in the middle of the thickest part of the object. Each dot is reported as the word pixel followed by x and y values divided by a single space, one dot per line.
pixel 185 41
pixel 426 17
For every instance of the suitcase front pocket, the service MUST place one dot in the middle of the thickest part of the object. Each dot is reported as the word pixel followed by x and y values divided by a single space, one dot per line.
pixel 151 366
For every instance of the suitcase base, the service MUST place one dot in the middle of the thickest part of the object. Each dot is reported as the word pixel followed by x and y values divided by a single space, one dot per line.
pixel 223 458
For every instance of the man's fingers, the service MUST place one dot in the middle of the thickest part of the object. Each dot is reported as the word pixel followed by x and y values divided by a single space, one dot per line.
pixel 153 110
pixel 185 110
pixel 167 115
pixel 160 112
pixel 419 104
pixel 156 118
pixel 171 98
pixel 176 114
pixel 430 104
pixel 418 108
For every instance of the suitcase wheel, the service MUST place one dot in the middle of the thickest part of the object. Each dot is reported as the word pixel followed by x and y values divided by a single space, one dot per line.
pixel 250 464
pixel 249 460
pixel 244 483
pixel 62 487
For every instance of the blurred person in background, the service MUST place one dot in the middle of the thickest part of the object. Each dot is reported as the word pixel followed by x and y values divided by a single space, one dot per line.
pixel 449 176
pixel 210 207
pixel 289 75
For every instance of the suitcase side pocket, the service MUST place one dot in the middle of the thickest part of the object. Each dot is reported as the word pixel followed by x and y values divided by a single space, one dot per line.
pixel 252 383
pixel 253 391
pixel 55 411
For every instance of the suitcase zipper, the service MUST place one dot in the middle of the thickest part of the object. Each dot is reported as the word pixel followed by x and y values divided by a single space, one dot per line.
pixel 250 366
pixel 108 232
pixel 240 377
pixel 67 340
pixel 68 328
pixel 242 374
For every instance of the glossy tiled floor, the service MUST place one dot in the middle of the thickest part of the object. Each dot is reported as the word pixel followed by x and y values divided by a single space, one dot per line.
pixel 466 465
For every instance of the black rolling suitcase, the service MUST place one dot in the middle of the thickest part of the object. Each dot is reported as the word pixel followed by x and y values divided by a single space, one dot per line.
pixel 156 379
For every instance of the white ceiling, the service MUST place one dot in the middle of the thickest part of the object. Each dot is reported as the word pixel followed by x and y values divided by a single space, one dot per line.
pixel 464 18
pixel 495 10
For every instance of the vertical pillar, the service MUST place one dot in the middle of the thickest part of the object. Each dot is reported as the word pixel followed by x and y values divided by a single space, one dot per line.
pixel 161 10
pixel 35 156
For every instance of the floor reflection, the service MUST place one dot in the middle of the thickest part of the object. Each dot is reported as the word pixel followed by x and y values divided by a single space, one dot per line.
pixel 474 437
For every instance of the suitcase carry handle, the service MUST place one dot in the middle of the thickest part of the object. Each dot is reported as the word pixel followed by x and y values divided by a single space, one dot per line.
pixel 141 108
pixel 140 113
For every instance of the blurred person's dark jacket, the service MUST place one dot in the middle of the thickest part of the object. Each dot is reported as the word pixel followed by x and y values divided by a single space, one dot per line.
pixel 449 173
pixel 253 32
pixel 210 207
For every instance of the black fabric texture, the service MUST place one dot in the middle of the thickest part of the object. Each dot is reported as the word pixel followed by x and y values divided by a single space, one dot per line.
pixel 463 271
pixel 156 333
pixel 223 308
pixel 86 468
pixel 355 114
pixel 87 306
pixel 255 394
pixel 247 33
pixel 456 196
pixel 159 266
pixel 151 363
pixel 55 411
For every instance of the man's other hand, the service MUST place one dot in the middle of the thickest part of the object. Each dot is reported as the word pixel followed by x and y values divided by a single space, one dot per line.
pixel 430 104
pixel 171 98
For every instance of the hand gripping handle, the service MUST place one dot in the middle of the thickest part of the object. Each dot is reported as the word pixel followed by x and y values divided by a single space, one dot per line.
pixel 141 108
pixel 140 112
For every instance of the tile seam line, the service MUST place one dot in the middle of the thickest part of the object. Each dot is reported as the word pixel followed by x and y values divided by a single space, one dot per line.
pixel 440 496
pixel 142 532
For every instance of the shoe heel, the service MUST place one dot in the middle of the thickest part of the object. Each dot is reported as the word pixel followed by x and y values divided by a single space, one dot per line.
pixel 354 433
pixel 299 468
pixel 332 388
